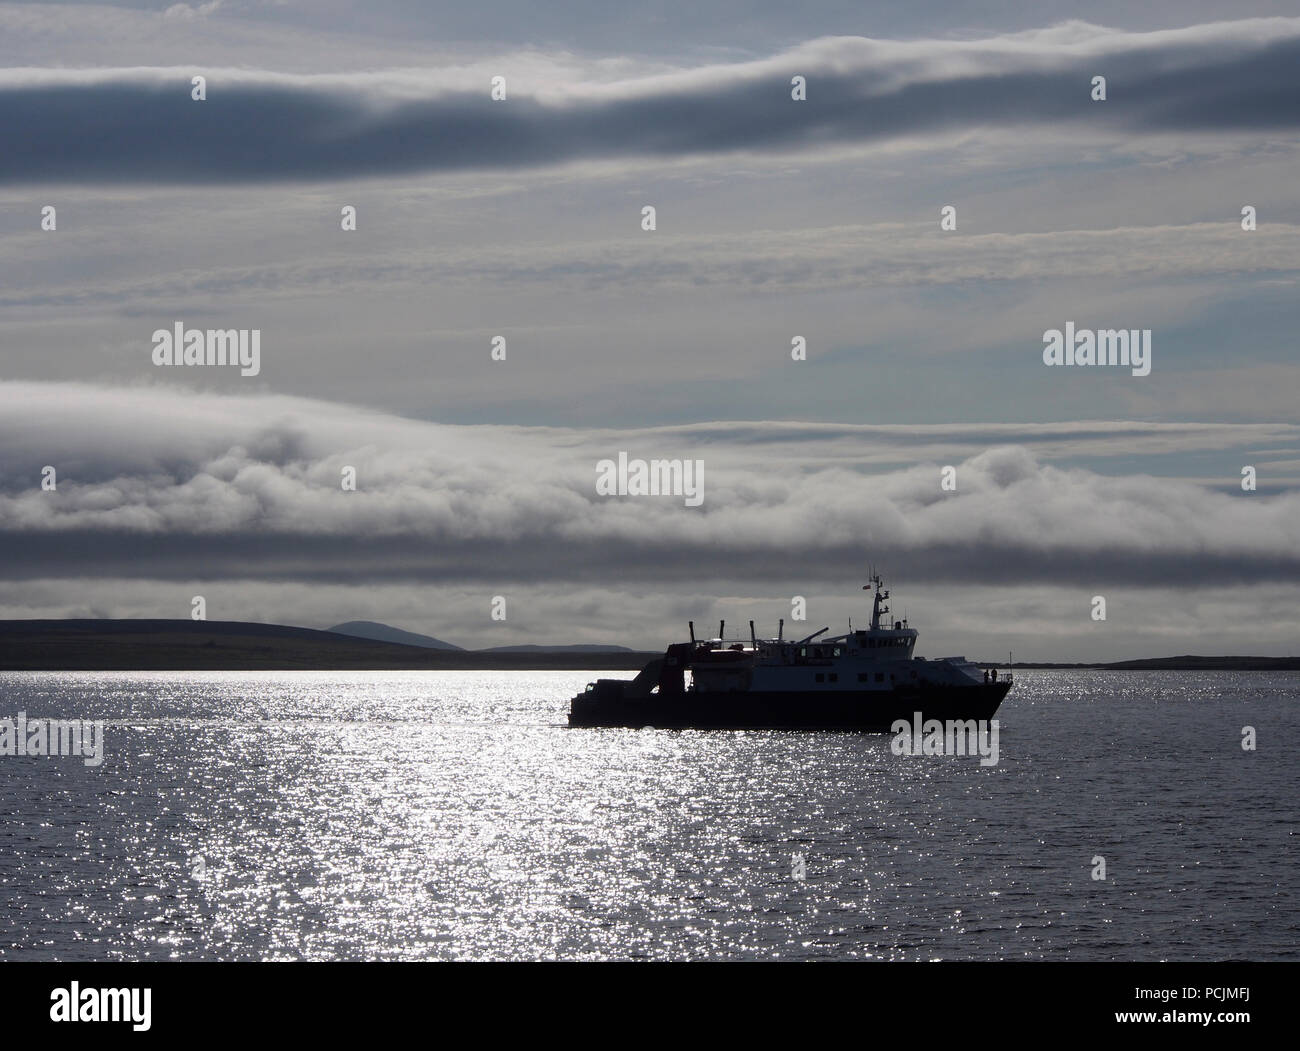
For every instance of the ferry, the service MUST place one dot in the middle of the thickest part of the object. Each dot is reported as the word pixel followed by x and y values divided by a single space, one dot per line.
pixel 862 680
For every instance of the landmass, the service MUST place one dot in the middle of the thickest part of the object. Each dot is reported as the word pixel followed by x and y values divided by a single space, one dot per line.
pixel 187 645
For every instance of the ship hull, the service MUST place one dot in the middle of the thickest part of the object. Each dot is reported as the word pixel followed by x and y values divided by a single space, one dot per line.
pixel 862 710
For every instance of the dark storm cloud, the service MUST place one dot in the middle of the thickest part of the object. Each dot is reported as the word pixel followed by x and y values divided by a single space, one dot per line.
pixel 970 558
pixel 248 488
pixel 143 126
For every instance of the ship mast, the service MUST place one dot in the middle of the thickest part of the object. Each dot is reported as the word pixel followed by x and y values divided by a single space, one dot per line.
pixel 877 603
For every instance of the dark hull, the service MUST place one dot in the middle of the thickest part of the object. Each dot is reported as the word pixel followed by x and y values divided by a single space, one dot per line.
pixel 874 712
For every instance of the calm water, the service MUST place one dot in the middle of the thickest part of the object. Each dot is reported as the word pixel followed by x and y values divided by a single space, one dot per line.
pixel 452 815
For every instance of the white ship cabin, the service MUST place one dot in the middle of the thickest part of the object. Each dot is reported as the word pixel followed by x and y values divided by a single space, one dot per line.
pixel 877 658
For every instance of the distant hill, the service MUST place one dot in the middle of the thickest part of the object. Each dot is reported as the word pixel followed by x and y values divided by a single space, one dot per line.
pixel 1189 662
pixel 369 629
pixel 204 645
pixel 555 649
pixel 207 645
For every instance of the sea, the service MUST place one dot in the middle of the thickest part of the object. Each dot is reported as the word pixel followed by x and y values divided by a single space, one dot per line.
pixel 425 815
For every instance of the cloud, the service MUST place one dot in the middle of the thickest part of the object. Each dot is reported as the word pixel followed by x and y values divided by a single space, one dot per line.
pixel 814 259
pixel 140 125
pixel 163 483
pixel 192 11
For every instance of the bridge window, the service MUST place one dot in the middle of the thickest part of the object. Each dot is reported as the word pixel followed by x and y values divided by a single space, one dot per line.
pixel 836 678
pixel 862 676
pixel 820 677
pixel 880 676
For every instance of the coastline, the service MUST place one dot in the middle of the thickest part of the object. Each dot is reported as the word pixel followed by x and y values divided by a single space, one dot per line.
pixel 184 645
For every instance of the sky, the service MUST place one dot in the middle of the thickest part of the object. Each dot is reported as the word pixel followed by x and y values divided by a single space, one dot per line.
pixel 923 433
